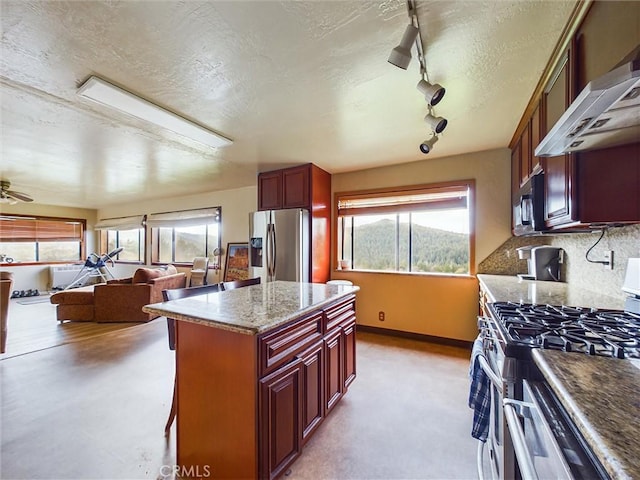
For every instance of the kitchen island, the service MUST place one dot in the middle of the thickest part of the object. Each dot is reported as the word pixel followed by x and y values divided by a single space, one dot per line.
pixel 257 370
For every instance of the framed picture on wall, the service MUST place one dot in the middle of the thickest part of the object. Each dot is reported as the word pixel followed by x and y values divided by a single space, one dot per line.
pixel 236 265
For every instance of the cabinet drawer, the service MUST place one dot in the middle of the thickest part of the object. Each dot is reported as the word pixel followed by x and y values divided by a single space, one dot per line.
pixel 279 347
pixel 337 314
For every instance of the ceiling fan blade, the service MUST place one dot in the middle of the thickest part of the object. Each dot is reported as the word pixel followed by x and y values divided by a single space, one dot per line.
pixel 23 197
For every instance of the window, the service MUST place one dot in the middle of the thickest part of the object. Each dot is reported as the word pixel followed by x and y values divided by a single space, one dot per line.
pixel 179 237
pixel 42 239
pixel 424 229
pixel 125 232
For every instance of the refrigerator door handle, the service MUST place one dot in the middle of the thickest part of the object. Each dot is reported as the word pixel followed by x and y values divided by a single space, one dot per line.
pixel 268 251
pixel 274 248
pixel 271 246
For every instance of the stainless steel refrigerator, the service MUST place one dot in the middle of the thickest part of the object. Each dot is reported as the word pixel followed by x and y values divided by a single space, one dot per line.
pixel 279 245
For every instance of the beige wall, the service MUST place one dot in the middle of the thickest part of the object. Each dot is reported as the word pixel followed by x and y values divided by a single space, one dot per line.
pixel 37 276
pixel 442 306
pixel 236 205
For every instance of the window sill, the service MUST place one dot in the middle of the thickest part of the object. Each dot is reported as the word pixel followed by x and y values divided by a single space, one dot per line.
pixel 415 274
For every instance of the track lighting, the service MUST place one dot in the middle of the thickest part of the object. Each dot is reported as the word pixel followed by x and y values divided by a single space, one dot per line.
pixel 432 93
pixel 427 145
pixel 437 124
pixel 401 55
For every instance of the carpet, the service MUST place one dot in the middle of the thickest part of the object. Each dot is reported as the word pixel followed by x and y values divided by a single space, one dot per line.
pixel 32 300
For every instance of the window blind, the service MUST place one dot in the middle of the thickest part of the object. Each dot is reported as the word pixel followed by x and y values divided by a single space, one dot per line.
pixel 184 218
pixel 17 229
pixel 440 198
pixel 121 223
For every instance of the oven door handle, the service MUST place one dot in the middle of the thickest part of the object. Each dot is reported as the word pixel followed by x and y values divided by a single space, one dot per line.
pixel 525 462
pixel 495 379
pixel 479 460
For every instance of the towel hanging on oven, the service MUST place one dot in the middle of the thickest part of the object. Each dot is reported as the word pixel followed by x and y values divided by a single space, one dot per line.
pixel 479 394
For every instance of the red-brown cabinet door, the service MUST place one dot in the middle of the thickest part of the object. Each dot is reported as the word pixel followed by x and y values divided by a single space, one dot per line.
pixel 312 389
pixel 333 368
pixel 295 186
pixel 349 335
pixel 270 190
pixel 280 419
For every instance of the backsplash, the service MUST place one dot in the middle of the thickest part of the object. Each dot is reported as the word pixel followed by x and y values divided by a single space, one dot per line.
pixel 504 260
pixel 623 241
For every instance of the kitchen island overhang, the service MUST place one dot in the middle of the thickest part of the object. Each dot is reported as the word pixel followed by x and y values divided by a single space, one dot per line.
pixel 257 370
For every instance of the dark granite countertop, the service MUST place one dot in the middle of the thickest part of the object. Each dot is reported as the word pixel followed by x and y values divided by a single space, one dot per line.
pixel 506 288
pixel 602 396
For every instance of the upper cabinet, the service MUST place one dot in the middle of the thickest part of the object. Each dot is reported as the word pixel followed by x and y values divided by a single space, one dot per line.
pixel 558 171
pixel 524 163
pixel 586 188
pixel 289 187
pixel 309 187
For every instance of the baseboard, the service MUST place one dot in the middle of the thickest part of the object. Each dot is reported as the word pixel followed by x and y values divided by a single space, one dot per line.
pixel 452 342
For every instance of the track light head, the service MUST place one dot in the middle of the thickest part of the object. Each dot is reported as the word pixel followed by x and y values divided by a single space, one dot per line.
pixel 401 55
pixel 432 93
pixel 437 124
pixel 427 145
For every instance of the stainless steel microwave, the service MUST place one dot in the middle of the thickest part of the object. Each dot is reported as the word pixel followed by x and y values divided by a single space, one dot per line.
pixel 528 207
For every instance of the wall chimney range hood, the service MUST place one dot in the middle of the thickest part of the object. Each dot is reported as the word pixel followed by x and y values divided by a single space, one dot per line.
pixel 605 114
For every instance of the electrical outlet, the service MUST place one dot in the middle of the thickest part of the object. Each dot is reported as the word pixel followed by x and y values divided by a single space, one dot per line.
pixel 608 257
pixel 381 316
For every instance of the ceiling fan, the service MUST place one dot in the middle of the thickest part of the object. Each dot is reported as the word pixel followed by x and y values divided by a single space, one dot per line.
pixel 11 197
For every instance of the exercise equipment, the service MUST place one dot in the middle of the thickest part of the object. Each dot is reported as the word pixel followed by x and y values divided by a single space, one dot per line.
pixel 92 268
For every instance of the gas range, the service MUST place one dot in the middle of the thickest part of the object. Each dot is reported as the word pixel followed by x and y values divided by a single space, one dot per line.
pixel 522 326
pixel 526 416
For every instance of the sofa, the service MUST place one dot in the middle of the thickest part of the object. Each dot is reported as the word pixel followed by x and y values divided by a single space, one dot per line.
pixel 119 300
pixel 6 283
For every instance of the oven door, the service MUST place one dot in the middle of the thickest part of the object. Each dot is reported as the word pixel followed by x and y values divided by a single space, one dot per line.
pixel 546 443
pixel 498 445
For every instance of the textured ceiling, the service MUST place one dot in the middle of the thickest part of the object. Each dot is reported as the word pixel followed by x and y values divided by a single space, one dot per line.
pixel 290 82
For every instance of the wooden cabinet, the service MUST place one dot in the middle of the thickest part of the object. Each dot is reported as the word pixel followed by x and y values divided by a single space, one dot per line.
pixel 270 191
pixel 340 353
pixel 296 187
pixel 609 32
pixel 307 366
pixel 524 163
pixel 248 402
pixel 536 126
pixel 281 419
pixel 309 187
pixel 559 202
pixel 525 154
pixel 313 386
pixel 333 375
pixel 292 187
pixel 599 186
pixel 349 365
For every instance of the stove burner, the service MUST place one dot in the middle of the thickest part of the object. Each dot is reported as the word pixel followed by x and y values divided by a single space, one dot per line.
pixel 612 333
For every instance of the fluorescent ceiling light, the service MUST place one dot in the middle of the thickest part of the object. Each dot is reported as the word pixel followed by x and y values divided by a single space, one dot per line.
pixel 109 95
